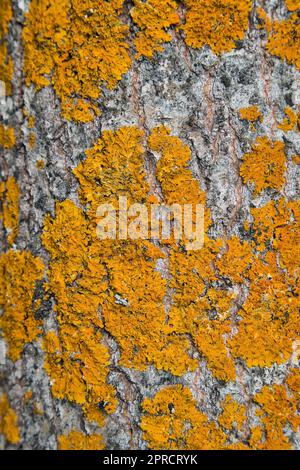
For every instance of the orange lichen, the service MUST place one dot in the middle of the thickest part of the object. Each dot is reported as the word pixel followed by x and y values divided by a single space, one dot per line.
pixel 191 271
pixel 198 309
pixel 8 421
pixel 172 421
pixel 233 415
pixel 31 122
pixel 6 63
pixel 287 237
pixel 278 409
pixel 19 272
pixel 270 322
pixel 269 325
pixel 216 24
pixel 290 122
pixel 293 5
pixel 113 167
pixel 76 359
pixel 166 318
pixel 7 137
pixel 40 164
pixel 235 261
pixel 283 37
pixel 78 47
pixel 138 325
pixel 31 140
pixel 9 197
pixel 293 382
pixel 277 225
pixel 28 396
pixel 153 17
pixel 265 165
pixel 76 440
pixel 251 114
pixel 5 16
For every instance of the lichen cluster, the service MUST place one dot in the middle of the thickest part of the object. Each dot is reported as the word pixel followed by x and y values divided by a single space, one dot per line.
pixel 9 203
pixel 8 421
pixel 160 317
pixel 291 122
pixel 216 24
pixel 172 420
pixel 284 35
pixel 19 272
pixel 6 63
pixel 153 17
pixel 251 114
pixel 265 165
pixel 232 303
pixel 7 137
pixel 76 440
pixel 76 359
pixel 76 46
pixel 79 47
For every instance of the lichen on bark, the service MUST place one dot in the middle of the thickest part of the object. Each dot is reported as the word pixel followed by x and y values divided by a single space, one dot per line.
pixel 137 344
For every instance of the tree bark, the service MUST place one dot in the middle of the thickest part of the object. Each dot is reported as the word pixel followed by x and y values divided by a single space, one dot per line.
pixel 199 95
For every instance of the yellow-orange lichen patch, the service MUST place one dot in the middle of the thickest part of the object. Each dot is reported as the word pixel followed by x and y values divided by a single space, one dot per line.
pixel 153 18
pixel 204 317
pixel 236 260
pixel 31 140
pixel 233 414
pixel 6 63
pixel 203 313
pixel 40 164
pixel 251 114
pixel 270 322
pixel 8 421
pixel 290 121
pixel 76 359
pixel 276 225
pixel 19 271
pixel 265 165
pixel 6 69
pixel 216 24
pixel 7 137
pixel 28 396
pixel 163 317
pixel 287 237
pixel 284 38
pixel 293 5
pixel 293 382
pixel 172 420
pixel 31 122
pixel 173 173
pixel 114 167
pixel 278 409
pixel 76 440
pixel 9 197
pixel 5 16
pixel 78 47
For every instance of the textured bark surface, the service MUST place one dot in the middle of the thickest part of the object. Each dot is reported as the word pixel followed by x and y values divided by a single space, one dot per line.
pixel 198 95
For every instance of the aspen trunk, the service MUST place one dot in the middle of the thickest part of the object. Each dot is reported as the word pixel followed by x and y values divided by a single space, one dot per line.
pixel 135 344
